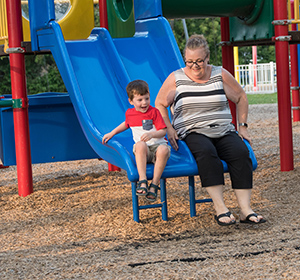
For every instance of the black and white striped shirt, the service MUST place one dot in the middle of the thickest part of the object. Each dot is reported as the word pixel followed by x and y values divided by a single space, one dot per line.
pixel 201 108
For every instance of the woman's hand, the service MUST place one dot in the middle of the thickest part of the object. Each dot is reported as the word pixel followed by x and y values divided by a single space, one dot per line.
pixel 172 137
pixel 244 134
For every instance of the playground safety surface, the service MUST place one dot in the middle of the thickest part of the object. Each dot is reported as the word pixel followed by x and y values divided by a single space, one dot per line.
pixel 78 223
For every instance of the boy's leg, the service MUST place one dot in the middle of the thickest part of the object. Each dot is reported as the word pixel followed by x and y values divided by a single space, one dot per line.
pixel 141 151
pixel 162 155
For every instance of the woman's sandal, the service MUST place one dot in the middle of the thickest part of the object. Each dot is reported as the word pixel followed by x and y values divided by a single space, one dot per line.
pixel 153 195
pixel 248 221
pixel 228 214
pixel 143 189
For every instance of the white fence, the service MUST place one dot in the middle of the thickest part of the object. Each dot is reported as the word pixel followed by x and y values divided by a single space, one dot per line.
pixel 259 78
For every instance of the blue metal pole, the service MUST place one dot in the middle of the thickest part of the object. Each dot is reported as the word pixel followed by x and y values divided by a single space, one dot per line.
pixel 192 196
pixel 135 203
pixel 163 198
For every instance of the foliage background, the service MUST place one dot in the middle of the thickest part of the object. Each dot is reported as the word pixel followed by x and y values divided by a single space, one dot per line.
pixel 211 29
pixel 42 74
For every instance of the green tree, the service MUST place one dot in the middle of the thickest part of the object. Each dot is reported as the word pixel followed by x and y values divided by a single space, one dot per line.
pixel 265 54
pixel 42 75
pixel 209 27
pixel 96 15
pixel 5 86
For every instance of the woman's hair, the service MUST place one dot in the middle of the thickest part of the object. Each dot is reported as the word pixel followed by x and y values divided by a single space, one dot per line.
pixel 137 87
pixel 197 41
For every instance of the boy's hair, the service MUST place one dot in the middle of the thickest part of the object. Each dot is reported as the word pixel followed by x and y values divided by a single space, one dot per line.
pixel 137 87
pixel 197 41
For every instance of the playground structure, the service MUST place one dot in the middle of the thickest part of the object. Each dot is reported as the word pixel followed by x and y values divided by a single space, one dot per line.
pixel 138 45
pixel 72 28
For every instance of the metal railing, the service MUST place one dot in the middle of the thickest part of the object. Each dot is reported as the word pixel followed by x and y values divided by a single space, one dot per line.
pixel 296 13
pixel 258 78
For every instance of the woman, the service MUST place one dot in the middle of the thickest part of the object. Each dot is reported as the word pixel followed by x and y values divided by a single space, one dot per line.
pixel 198 96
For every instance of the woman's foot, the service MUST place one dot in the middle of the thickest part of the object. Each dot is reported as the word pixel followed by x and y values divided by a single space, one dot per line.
pixel 252 218
pixel 225 219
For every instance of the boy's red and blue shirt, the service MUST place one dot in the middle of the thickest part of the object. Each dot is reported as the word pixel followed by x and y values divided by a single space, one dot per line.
pixel 141 123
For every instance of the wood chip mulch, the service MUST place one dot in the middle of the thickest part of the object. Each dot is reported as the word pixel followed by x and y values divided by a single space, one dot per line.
pixel 78 223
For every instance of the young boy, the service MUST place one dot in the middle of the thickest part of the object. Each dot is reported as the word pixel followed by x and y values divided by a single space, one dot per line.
pixel 148 129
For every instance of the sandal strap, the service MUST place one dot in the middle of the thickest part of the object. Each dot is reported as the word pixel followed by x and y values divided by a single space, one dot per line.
pixel 153 194
pixel 251 215
pixel 142 182
pixel 156 187
pixel 227 214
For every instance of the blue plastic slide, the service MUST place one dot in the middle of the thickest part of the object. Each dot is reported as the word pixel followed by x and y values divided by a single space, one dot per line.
pixel 96 72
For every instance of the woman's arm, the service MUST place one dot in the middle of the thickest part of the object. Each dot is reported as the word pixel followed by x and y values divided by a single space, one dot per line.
pixel 164 99
pixel 236 94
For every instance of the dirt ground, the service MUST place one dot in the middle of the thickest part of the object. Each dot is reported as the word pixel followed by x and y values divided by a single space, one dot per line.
pixel 78 223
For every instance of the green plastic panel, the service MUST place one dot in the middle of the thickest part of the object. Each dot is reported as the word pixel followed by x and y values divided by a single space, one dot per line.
pixel 260 29
pixel 120 18
pixel 207 8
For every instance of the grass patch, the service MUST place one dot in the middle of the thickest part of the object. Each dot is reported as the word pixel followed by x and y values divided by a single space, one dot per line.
pixel 267 98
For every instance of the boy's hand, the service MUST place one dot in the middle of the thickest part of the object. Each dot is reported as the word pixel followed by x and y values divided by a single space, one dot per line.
pixel 122 127
pixel 106 137
pixel 146 136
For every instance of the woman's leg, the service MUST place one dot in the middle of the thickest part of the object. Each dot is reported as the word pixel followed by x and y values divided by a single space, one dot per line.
pixel 216 194
pixel 235 153
pixel 210 170
pixel 210 166
pixel 243 198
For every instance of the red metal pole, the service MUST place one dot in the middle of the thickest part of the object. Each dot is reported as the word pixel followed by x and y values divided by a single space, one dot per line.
pixel 254 60
pixel 283 87
pixel 294 74
pixel 103 14
pixel 228 59
pixel 18 86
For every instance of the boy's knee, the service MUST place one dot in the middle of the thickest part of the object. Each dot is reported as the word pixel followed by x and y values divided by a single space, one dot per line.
pixel 140 146
pixel 163 150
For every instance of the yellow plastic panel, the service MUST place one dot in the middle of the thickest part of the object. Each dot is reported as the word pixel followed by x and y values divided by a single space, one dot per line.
pixel 76 24
pixel 79 21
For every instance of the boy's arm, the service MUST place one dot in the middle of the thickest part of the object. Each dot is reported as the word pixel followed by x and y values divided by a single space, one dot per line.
pixel 159 124
pixel 154 134
pixel 122 127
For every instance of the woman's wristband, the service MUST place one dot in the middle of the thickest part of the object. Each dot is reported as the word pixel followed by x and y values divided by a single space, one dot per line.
pixel 243 124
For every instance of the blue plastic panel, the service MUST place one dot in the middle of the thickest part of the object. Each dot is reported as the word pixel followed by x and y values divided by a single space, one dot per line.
pixel 144 9
pixel 55 133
